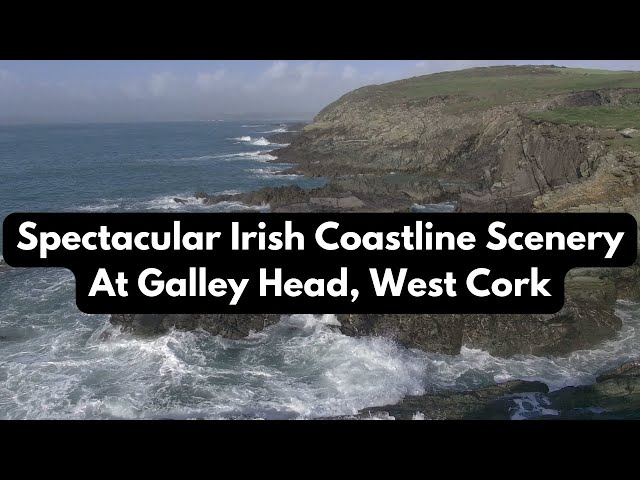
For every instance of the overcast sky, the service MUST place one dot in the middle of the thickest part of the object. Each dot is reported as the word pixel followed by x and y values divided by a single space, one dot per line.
pixel 71 91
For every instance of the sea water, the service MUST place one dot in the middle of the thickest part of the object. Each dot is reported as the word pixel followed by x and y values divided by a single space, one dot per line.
pixel 54 363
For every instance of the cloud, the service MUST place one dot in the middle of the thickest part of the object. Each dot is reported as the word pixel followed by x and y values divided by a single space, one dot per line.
pixel 277 70
pixel 172 94
pixel 210 81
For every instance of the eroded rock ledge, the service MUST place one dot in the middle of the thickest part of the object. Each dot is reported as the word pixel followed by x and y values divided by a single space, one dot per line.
pixel 614 395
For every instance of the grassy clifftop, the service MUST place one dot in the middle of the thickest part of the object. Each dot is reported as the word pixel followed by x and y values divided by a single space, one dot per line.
pixel 479 88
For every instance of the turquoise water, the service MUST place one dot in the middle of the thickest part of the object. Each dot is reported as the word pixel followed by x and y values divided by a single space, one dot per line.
pixel 53 363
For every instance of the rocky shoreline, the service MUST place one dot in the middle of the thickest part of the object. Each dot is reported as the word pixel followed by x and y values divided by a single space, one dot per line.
pixel 587 318
pixel 383 157
pixel 614 395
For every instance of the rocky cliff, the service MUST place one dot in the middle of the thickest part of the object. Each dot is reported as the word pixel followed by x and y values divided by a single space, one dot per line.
pixel 501 139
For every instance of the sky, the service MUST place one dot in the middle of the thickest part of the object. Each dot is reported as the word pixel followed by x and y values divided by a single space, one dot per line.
pixel 126 90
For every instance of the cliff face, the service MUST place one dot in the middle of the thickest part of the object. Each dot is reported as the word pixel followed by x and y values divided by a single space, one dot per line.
pixel 498 139
pixel 482 135
pixel 512 139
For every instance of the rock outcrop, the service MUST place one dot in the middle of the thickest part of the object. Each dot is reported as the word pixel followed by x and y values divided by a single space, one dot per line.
pixel 471 137
pixel 580 324
pixel 615 395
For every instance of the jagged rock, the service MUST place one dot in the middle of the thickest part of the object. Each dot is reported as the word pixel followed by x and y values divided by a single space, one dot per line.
pixel 329 198
pixel 616 394
pixel 384 151
pixel 582 323
pixel 630 133
pixel 486 403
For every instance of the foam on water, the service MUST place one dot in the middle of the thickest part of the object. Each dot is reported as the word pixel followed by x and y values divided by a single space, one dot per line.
pixel 260 156
pixel 531 405
pixel 261 142
pixel 272 173
pixel 188 203
pixel 443 207
pixel 54 364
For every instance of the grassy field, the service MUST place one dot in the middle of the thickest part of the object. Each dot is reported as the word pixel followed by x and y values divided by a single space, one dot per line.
pixel 617 117
pixel 485 87
pixel 631 143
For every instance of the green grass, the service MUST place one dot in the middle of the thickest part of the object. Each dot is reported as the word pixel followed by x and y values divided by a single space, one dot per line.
pixel 617 117
pixel 630 143
pixel 480 88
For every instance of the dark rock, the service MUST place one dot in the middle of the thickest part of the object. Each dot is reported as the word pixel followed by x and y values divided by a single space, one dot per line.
pixel 489 403
pixel 331 198
pixel 616 394
pixel 180 200
pixel 580 324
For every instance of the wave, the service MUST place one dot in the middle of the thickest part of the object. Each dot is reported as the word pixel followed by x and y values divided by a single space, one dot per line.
pixel 302 367
pixel 272 173
pixel 261 142
pixel 102 206
pixel 253 126
pixel 260 156
pixel 443 207
pixel 277 130
pixel 188 203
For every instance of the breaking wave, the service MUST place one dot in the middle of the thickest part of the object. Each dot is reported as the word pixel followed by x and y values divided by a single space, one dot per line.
pixel 260 156
pixel 179 202
pixel 270 173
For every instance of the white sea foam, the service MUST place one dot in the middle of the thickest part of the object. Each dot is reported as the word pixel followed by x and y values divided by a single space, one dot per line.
pixel 55 365
pixel 101 206
pixel 272 173
pixel 531 405
pixel 277 130
pixel 244 138
pixel 443 207
pixel 261 142
pixel 188 202
pixel 260 156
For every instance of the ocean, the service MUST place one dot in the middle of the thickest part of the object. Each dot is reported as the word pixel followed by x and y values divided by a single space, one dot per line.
pixel 53 363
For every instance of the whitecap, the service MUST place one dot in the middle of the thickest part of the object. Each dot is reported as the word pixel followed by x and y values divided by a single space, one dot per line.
pixel 260 156
pixel 272 173
pixel 261 142
pixel 442 207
